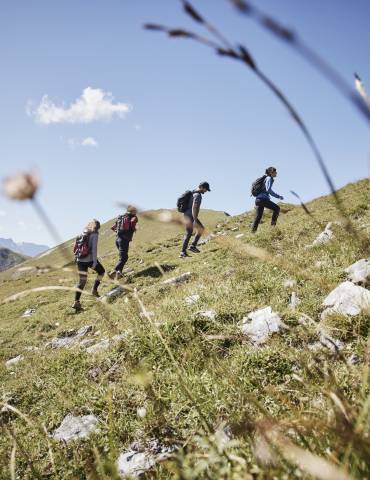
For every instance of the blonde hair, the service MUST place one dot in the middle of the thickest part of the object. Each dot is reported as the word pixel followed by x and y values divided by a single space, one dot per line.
pixel 93 226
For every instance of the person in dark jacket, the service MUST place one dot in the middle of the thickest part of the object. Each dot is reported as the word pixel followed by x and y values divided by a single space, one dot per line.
pixel 192 221
pixel 88 260
pixel 125 227
pixel 263 199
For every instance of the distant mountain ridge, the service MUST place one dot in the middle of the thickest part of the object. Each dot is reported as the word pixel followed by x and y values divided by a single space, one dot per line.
pixel 24 248
pixel 9 259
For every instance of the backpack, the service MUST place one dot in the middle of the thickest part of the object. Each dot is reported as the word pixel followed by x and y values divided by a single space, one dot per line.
pixel 124 223
pixel 183 201
pixel 258 186
pixel 81 246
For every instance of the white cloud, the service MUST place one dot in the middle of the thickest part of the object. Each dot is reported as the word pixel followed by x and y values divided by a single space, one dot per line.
pixel 84 142
pixel 2 213
pixel 93 104
pixel 89 142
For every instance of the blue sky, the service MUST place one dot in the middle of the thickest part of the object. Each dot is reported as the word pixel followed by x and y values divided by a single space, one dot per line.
pixel 190 115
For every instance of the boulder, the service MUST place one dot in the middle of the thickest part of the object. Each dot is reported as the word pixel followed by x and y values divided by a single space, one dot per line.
pixel 13 361
pixel 70 337
pixel 359 272
pixel 347 299
pixel 28 313
pixel 325 236
pixel 260 324
pixel 191 299
pixel 73 427
pixel 177 280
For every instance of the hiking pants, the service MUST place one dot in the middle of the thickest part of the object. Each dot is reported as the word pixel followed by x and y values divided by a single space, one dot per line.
pixel 261 204
pixel 189 225
pixel 82 273
pixel 122 244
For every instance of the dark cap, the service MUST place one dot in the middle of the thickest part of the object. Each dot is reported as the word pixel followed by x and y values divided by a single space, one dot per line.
pixel 205 185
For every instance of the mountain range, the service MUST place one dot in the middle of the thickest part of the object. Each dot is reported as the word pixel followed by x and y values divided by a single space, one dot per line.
pixel 23 248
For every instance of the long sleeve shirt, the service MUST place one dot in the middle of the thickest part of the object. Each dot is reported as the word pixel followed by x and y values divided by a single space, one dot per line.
pixel 92 256
pixel 268 190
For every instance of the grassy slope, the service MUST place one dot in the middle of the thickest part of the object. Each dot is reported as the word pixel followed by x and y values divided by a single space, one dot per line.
pixel 229 380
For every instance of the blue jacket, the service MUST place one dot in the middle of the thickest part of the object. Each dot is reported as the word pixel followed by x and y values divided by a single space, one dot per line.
pixel 268 190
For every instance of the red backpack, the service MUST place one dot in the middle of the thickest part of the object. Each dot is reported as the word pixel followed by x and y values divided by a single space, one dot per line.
pixel 125 223
pixel 81 246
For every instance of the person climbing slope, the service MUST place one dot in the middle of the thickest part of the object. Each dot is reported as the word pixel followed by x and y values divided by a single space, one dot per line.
pixel 125 227
pixel 189 204
pixel 86 256
pixel 262 189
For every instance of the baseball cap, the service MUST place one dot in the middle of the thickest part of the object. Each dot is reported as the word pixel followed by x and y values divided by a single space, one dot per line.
pixel 205 185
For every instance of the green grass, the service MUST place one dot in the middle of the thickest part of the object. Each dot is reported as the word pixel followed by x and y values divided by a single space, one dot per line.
pixel 312 398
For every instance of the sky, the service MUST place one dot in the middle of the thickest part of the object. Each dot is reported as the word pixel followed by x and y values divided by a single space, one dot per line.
pixel 106 112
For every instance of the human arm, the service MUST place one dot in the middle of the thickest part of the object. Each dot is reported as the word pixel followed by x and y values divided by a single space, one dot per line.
pixel 197 200
pixel 269 190
pixel 94 249
pixel 134 221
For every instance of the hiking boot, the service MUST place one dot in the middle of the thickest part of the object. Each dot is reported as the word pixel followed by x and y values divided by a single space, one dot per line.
pixel 112 275
pixel 95 293
pixel 183 255
pixel 77 306
pixel 194 249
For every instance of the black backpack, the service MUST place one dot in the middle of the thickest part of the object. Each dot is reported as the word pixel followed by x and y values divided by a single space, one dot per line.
pixel 258 186
pixel 183 201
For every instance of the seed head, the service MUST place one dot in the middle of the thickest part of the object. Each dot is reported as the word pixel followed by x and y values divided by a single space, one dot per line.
pixel 21 186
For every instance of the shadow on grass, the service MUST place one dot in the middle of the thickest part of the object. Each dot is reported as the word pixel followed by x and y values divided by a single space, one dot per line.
pixel 154 271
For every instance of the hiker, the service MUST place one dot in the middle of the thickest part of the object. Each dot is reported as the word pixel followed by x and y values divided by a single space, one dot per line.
pixel 262 189
pixel 86 256
pixel 125 227
pixel 189 205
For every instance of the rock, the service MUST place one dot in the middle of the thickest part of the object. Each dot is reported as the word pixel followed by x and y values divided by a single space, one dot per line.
pixel 137 461
pixel 112 294
pixel 289 283
pixel 211 314
pixel 28 313
pixel 141 412
pixel 324 236
pixel 102 345
pixel 359 272
pixel 176 280
pixel 240 235
pixel 294 301
pixel 204 240
pixel 259 325
pixel 235 229
pixel 347 299
pixel 73 427
pixel 69 338
pixel 331 343
pixel 13 361
pixel 191 299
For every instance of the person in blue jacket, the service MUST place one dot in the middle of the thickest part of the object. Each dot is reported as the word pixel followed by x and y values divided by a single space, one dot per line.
pixel 263 199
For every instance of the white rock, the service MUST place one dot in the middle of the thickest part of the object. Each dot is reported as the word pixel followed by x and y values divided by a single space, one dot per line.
pixel 176 280
pixel 359 272
pixel 204 240
pixel 235 229
pixel 324 236
pixel 259 325
pixel 294 301
pixel 191 299
pixel 112 294
pixel 211 314
pixel 70 338
pixel 134 463
pixel 102 345
pixel 73 427
pixel 240 235
pixel 347 299
pixel 28 313
pixel 13 361
pixel 289 283
pixel 331 343
pixel 141 412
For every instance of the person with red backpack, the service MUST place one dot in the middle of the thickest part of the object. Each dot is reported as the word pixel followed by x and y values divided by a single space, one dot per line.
pixel 262 189
pixel 85 250
pixel 125 227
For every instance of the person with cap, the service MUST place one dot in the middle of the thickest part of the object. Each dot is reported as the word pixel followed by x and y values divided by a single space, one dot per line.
pixel 191 217
pixel 124 227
